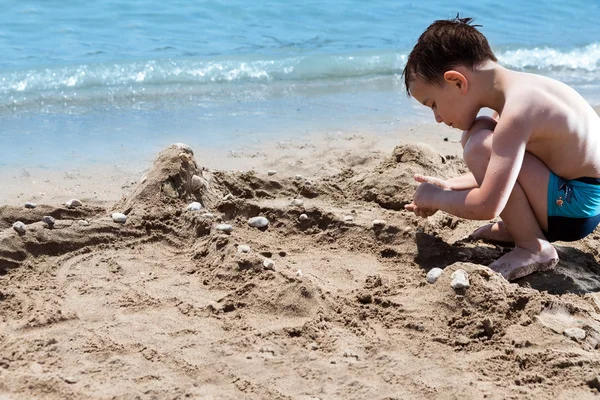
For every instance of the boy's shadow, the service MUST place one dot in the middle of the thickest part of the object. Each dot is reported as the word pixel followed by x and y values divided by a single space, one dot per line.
pixel 577 271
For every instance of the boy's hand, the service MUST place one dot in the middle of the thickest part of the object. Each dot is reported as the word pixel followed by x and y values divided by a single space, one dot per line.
pixel 419 212
pixel 429 185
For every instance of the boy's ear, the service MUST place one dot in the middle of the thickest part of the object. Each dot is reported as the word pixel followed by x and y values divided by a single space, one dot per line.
pixel 456 78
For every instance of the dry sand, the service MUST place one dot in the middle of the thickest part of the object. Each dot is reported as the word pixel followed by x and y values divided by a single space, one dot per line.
pixel 165 307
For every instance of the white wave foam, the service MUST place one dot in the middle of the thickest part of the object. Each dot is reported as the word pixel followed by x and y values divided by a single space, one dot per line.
pixel 546 58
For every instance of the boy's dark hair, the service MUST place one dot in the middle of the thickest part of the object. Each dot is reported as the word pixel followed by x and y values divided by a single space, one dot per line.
pixel 444 45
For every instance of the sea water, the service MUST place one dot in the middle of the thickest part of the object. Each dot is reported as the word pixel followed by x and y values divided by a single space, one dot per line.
pixel 107 80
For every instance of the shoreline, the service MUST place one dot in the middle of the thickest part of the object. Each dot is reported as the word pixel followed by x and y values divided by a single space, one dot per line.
pixel 310 156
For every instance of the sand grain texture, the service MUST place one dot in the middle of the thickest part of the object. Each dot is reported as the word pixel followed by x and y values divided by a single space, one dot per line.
pixel 164 306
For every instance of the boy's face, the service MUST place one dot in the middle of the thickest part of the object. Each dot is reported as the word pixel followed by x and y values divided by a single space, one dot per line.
pixel 450 102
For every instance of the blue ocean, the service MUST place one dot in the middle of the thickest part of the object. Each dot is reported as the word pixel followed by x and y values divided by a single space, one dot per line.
pixel 96 82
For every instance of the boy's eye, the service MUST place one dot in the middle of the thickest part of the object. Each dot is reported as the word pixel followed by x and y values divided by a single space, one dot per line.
pixel 433 105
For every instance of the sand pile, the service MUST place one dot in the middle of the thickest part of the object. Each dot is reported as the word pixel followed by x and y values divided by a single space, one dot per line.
pixel 320 303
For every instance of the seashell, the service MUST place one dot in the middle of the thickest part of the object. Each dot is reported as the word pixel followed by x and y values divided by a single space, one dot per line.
pixel 48 220
pixel 460 279
pixel 303 217
pixel 194 206
pixel 434 274
pixel 268 264
pixel 30 205
pixel 119 217
pixel 258 222
pixel 271 172
pixel 242 248
pixel 185 157
pixel 19 227
pixel 73 203
pixel 297 202
pixel 224 228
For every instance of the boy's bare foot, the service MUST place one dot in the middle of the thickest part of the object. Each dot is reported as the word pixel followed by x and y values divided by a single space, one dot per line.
pixel 521 262
pixel 495 232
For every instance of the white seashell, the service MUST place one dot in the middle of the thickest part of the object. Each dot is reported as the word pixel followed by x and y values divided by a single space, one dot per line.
pixel 208 215
pixel 197 183
pixel 228 197
pixel 307 183
pixel 379 222
pixel 73 203
pixel 269 264
pixel 224 228
pixel 460 279
pixel 19 227
pixel 242 248
pixel 271 172
pixel 299 273
pixel 298 176
pixel 297 202
pixel 48 220
pixel 303 217
pixel 30 205
pixel 83 222
pixel 143 179
pixel 434 274
pixel 258 222
pixel 184 147
pixel 348 218
pixel 185 157
pixel 195 206
pixel 119 217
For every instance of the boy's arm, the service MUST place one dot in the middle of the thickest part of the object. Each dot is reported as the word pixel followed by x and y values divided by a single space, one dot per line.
pixel 463 182
pixel 486 202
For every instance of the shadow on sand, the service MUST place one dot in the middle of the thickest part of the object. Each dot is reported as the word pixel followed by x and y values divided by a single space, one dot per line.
pixel 577 272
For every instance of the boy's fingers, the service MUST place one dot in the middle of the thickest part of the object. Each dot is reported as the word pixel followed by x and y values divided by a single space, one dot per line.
pixel 422 178
pixel 430 179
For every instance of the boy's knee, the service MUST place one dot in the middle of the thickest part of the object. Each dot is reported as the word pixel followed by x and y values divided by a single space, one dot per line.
pixel 477 148
pixel 481 124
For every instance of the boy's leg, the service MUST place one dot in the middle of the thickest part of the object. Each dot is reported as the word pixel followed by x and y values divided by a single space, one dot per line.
pixel 494 232
pixel 525 214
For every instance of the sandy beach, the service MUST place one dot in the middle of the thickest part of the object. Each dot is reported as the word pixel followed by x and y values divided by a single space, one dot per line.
pixel 323 303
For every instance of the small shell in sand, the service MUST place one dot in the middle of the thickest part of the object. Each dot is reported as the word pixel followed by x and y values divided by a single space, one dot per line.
pixel 19 227
pixel 460 279
pixel 48 220
pixel 194 206
pixel 258 222
pixel 224 228
pixel 73 203
pixel 268 264
pixel 119 217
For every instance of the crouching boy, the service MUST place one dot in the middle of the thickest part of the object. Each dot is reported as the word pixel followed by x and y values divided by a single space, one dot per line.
pixel 536 164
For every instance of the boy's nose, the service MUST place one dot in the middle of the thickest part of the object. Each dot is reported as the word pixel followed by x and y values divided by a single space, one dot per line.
pixel 438 119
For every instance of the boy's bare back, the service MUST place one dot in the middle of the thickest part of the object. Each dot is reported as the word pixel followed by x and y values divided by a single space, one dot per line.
pixel 565 128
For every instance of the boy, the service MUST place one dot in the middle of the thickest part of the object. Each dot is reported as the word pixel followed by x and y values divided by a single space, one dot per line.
pixel 536 163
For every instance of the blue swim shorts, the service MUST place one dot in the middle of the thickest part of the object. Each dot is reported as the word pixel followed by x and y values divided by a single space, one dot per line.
pixel 573 208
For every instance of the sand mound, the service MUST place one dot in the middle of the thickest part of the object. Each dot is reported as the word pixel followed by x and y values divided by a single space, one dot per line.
pixel 327 305
pixel 391 184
